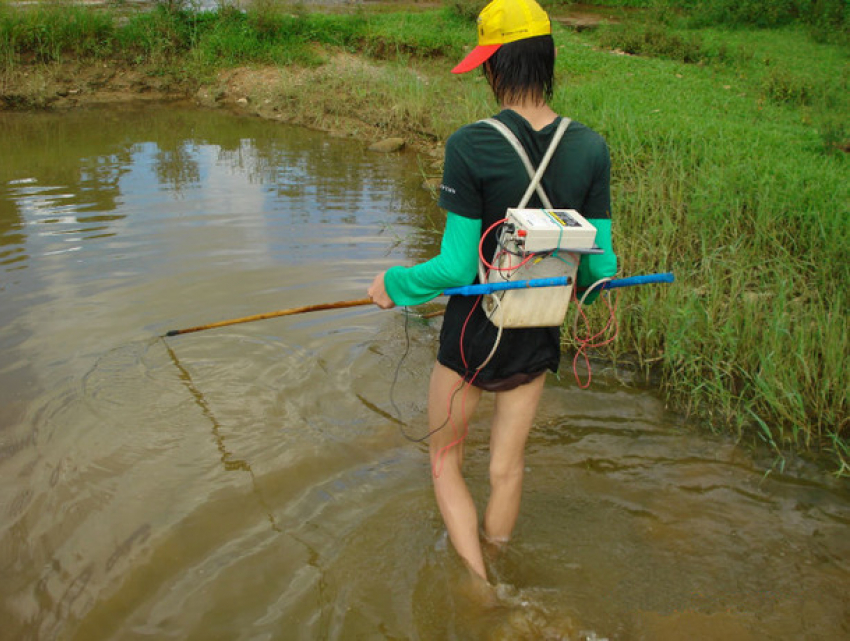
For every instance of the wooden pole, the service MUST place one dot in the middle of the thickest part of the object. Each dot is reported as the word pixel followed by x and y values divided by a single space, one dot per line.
pixel 283 312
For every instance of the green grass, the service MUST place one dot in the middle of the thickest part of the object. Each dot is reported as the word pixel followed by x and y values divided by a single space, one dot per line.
pixel 825 20
pixel 724 175
pixel 46 32
pixel 729 163
pixel 271 33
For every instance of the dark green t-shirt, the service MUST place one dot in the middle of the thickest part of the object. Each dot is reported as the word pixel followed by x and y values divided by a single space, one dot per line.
pixel 482 178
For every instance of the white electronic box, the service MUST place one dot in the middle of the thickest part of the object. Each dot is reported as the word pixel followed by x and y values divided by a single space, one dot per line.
pixel 537 243
pixel 547 229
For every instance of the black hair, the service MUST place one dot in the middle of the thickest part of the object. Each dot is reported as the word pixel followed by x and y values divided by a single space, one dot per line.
pixel 524 69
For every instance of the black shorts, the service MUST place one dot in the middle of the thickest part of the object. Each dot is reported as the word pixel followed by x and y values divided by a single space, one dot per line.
pixel 467 337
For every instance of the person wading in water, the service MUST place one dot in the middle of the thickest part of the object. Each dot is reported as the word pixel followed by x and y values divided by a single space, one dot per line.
pixel 483 177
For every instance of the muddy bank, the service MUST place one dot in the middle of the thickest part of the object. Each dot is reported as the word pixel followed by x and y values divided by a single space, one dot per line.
pixel 266 92
pixel 65 85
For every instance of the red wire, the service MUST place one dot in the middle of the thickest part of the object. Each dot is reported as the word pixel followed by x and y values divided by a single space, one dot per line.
pixel 484 260
pixel 507 269
pixel 587 342
pixel 463 331
pixel 458 439
pixel 438 467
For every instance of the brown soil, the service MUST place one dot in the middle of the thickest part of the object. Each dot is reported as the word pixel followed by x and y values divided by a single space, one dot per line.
pixel 73 84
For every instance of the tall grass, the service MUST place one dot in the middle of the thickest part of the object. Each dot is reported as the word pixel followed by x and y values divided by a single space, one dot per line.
pixel 822 16
pixel 46 32
pixel 733 188
pixel 266 33
pixel 825 20
pixel 782 66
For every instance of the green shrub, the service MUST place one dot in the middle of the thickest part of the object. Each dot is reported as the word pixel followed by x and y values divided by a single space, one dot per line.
pixel 782 86
pixel 466 9
pixel 833 130
pixel 827 19
pixel 160 34
pixel 46 32
pixel 651 39
pixel 425 35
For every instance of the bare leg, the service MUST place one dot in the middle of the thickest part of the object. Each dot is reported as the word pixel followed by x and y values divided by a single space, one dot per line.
pixel 512 419
pixel 453 497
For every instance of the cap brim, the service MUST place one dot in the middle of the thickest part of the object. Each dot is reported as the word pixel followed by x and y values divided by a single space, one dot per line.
pixel 476 58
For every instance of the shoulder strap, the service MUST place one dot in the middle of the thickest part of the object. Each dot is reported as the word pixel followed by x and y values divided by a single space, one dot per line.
pixel 535 176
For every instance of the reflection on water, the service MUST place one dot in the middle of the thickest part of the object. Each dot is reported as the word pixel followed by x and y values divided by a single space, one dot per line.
pixel 251 482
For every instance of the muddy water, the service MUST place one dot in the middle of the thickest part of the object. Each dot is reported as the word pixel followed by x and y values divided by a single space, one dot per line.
pixel 251 482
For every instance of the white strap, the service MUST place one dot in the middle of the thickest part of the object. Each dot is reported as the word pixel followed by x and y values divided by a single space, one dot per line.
pixel 535 176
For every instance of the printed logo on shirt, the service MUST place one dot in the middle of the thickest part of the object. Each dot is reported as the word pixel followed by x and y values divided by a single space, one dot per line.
pixel 446 188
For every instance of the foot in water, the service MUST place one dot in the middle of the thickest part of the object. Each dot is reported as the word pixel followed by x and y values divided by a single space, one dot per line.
pixel 501 612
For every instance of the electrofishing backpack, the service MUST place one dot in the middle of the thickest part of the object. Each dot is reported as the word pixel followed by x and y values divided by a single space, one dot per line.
pixel 532 244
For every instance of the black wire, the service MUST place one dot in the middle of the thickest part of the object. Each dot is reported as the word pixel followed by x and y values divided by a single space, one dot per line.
pixel 398 367
pixel 401 423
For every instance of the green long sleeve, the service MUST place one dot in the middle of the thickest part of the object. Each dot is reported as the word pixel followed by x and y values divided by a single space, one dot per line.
pixel 454 266
pixel 596 266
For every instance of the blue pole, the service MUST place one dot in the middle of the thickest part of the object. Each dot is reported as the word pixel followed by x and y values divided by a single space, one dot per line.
pixel 489 288
pixel 639 280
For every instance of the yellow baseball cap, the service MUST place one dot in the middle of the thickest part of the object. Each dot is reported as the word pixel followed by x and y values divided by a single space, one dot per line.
pixel 501 22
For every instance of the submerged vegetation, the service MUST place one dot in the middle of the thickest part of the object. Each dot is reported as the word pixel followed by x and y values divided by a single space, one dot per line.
pixel 727 123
